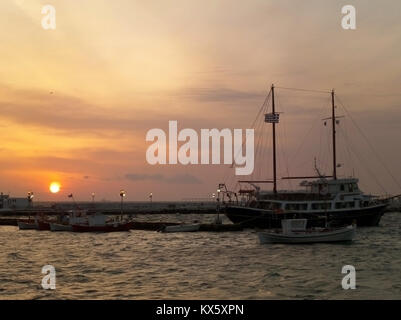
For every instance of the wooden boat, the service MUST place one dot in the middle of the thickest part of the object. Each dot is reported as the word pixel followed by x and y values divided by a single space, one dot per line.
pixel 43 225
pixel 182 228
pixel 294 231
pixel 27 225
pixel 319 198
pixel 60 227
pixel 108 227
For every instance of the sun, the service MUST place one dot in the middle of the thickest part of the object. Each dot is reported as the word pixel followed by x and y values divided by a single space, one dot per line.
pixel 54 187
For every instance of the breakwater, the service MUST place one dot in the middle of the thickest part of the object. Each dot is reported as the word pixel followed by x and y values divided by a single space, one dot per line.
pixel 115 208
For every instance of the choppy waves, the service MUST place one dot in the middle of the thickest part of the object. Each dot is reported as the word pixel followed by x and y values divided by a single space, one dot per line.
pixel 201 265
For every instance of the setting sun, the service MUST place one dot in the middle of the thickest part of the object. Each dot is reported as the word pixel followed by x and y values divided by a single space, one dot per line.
pixel 54 187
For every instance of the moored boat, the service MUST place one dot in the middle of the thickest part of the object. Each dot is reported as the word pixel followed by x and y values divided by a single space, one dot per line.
pixel 108 227
pixel 27 225
pixel 182 228
pixel 321 198
pixel 60 227
pixel 43 225
pixel 100 223
pixel 289 235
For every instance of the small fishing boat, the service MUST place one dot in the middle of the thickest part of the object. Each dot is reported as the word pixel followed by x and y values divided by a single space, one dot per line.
pixel 40 222
pixel 27 225
pixel 43 225
pixel 108 227
pixel 182 228
pixel 294 231
pixel 60 227
pixel 100 223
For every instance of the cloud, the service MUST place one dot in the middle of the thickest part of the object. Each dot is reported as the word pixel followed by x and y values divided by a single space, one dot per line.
pixel 175 179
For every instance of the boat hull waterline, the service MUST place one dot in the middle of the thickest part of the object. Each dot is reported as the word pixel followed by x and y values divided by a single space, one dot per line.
pixel 60 227
pixel 27 225
pixel 103 228
pixel 267 219
pixel 339 235
pixel 182 228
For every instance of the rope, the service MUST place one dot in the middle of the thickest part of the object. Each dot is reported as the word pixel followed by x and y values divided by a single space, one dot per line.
pixel 370 145
pixel 305 90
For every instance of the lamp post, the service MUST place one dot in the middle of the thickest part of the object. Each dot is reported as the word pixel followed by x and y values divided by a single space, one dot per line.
pixel 30 198
pixel 122 195
pixel 151 197
pixel 93 198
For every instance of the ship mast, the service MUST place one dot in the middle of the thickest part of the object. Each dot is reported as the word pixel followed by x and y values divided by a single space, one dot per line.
pixel 274 145
pixel 333 120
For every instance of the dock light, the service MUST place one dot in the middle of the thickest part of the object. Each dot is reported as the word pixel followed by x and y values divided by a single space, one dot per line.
pixel 122 195
pixel 30 198
pixel 213 195
pixel 151 196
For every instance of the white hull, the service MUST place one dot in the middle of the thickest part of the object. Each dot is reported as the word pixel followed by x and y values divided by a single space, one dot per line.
pixel 27 225
pixel 343 234
pixel 60 227
pixel 182 228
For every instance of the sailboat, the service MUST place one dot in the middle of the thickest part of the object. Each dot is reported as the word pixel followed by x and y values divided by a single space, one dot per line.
pixel 323 200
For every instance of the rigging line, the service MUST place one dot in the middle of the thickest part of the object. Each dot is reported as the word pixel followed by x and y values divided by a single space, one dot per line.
pixel 319 155
pixel 284 154
pixel 265 102
pixel 370 145
pixel 302 89
pixel 303 140
pixel 265 155
pixel 363 165
pixel 259 141
pixel 262 150
pixel 255 125
pixel 344 132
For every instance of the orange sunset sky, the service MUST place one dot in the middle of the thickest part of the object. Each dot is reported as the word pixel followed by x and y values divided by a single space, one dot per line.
pixel 76 102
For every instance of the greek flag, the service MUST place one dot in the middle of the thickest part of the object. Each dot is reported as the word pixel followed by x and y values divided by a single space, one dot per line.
pixel 272 117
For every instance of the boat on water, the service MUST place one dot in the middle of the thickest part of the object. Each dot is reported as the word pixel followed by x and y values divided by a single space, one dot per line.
pixel 323 198
pixel 294 231
pixel 27 225
pixel 60 227
pixel 43 225
pixel 65 221
pixel 108 227
pixel 98 222
pixel 40 222
pixel 182 228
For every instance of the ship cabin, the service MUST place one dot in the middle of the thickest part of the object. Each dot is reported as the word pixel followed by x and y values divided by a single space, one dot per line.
pixel 318 196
